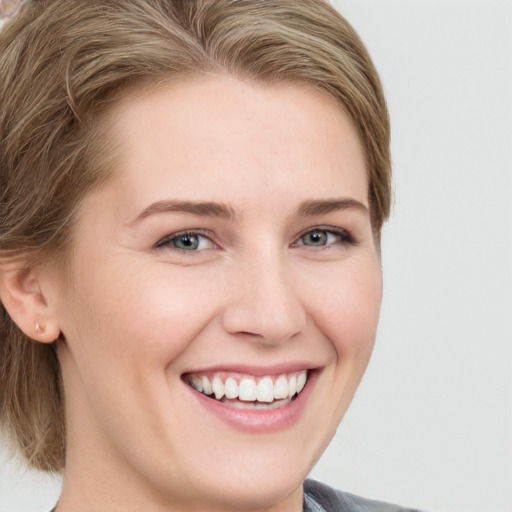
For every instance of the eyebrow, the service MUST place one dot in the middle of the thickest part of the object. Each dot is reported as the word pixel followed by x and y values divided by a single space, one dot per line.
pixel 307 208
pixel 204 209
pixel 323 206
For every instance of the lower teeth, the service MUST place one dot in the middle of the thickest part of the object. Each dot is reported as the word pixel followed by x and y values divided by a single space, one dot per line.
pixel 239 404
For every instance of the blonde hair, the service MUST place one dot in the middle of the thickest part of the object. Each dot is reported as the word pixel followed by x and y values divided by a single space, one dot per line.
pixel 63 64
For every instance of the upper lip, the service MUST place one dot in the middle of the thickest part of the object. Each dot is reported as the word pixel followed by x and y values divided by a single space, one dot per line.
pixel 275 369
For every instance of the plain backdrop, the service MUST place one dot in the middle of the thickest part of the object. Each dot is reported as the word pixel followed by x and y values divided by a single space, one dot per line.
pixel 431 425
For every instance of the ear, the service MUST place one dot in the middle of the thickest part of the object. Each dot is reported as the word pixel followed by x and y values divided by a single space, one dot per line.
pixel 22 296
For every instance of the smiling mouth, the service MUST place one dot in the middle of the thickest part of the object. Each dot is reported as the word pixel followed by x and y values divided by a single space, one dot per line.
pixel 248 391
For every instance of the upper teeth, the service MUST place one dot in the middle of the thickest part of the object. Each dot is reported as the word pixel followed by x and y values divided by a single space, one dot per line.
pixel 249 388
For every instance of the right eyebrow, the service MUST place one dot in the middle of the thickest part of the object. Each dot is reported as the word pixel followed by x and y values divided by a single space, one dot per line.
pixel 203 209
pixel 324 206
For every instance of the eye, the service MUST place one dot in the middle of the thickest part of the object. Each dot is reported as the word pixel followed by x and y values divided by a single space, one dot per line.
pixel 188 241
pixel 325 237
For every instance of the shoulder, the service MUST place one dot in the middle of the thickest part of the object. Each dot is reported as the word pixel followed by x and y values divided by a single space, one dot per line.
pixel 319 497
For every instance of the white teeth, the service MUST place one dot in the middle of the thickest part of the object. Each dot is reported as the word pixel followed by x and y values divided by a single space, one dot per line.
pixel 281 388
pixel 301 380
pixel 196 383
pixel 292 386
pixel 218 388
pixel 231 388
pixel 247 390
pixel 207 386
pixel 273 405
pixel 265 390
pixel 238 404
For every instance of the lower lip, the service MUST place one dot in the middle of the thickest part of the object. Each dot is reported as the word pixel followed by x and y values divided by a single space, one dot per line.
pixel 259 420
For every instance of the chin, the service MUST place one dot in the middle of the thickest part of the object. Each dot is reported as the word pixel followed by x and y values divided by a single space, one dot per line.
pixel 254 475
pixel 257 491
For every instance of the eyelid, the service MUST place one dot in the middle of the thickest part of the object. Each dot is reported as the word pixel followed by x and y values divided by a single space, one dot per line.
pixel 347 237
pixel 164 242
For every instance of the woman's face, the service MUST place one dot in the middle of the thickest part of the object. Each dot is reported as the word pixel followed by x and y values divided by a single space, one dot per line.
pixel 232 249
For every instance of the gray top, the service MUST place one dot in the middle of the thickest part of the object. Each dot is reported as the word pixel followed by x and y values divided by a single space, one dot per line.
pixel 319 497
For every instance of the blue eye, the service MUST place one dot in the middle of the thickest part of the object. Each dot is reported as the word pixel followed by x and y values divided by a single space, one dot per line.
pixel 315 238
pixel 186 242
pixel 191 242
pixel 325 238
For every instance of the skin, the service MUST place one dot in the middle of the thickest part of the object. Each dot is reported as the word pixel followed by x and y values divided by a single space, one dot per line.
pixel 140 313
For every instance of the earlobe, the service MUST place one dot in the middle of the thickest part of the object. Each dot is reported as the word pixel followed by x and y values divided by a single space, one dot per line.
pixel 23 298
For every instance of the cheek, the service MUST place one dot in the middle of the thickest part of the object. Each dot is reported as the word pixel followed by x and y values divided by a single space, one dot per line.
pixel 347 311
pixel 136 314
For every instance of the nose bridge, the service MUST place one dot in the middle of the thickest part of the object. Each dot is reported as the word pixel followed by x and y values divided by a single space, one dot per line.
pixel 264 301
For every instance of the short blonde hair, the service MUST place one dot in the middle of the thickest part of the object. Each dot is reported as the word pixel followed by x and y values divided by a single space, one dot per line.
pixel 63 64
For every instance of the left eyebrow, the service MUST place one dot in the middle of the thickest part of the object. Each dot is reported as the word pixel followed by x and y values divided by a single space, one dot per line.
pixel 323 206
pixel 203 209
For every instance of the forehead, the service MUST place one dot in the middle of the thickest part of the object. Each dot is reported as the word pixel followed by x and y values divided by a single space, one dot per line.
pixel 198 136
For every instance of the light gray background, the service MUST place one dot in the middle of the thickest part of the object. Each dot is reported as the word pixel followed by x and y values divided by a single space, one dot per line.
pixel 431 425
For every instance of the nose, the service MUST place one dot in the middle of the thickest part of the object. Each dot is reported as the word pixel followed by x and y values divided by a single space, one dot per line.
pixel 263 303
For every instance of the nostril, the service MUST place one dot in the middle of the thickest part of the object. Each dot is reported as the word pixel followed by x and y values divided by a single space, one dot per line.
pixel 267 308
pixel 266 331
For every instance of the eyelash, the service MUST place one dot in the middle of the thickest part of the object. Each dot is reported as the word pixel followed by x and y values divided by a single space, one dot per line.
pixel 344 238
pixel 167 241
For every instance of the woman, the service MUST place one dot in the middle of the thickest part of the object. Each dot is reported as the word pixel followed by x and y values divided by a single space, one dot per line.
pixel 192 200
